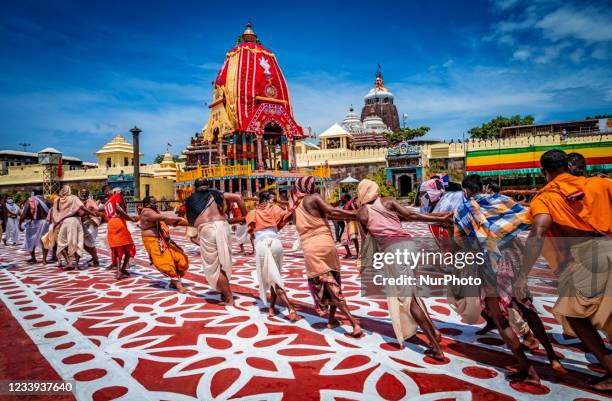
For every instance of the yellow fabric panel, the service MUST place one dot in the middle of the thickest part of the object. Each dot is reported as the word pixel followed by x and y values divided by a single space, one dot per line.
pixel 530 156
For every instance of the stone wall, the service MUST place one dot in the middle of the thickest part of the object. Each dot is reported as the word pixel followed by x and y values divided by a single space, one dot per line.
pixel 91 184
pixel 357 171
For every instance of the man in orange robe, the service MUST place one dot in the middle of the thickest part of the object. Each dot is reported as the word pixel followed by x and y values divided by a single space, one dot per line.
pixel 165 254
pixel 571 226
pixel 118 236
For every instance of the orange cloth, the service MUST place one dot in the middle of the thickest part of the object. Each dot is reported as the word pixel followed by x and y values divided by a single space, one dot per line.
pixel 319 248
pixel 585 282
pixel 265 216
pixel 118 234
pixel 591 213
pixel 172 261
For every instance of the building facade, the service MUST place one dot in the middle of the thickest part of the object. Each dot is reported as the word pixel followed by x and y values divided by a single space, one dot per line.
pixel 17 158
pixel 155 179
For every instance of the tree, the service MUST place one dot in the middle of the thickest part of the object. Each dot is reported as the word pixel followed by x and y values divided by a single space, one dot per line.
pixel 492 129
pixel 158 159
pixel 380 178
pixel 405 134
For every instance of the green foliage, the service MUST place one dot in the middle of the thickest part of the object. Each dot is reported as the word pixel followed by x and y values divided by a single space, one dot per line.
pixel 410 197
pixel 598 116
pixel 19 197
pixel 380 178
pixel 440 167
pixel 158 159
pixel 491 129
pixel 405 134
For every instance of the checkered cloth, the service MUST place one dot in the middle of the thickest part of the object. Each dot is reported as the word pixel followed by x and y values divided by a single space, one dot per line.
pixel 489 222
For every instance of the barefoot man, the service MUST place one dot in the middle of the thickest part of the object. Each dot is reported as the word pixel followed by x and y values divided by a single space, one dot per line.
pixel 491 224
pixel 380 217
pixel 572 225
pixel 265 221
pixel 35 213
pixel 320 256
pixel 90 226
pixel 118 236
pixel 165 254
pixel 206 212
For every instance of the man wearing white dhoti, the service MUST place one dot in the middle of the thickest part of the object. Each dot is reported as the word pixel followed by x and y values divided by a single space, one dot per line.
pixel 205 211
pixel 265 221
pixel 12 222
pixel 35 214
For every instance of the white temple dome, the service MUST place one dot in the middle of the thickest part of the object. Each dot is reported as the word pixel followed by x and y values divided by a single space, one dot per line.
pixel 374 123
pixel 352 123
pixel 378 93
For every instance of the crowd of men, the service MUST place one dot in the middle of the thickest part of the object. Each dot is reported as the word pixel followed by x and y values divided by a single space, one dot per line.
pixel 569 222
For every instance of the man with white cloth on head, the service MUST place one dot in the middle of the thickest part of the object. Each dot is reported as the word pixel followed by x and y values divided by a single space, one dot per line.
pixel 265 221
pixel 205 210
pixel 35 213
pixel 12 222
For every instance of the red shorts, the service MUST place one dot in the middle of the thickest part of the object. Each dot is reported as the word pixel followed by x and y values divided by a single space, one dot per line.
pixel 117 253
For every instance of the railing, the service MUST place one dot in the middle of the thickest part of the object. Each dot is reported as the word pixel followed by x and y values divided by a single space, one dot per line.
pixel 322 171
pixel 213 171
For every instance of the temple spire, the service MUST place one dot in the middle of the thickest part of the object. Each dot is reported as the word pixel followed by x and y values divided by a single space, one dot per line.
pixel 379 84
pixel 248 36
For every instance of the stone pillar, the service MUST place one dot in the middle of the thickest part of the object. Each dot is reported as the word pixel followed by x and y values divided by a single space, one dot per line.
pixel 136 159
pixel 260 164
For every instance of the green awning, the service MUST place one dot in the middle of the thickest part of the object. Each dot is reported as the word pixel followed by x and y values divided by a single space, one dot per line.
pixel 523 171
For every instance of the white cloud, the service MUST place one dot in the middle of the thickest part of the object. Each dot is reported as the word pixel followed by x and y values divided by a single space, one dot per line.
pixel 448 64
pixel 550 53
pixel 589 24
pixel 320 99
pixel 544 25
pixel 506 40
pixel 577 55
pixel 600 53
pixel 522 54
pixel 505 4
pixel 79 122
pixel 209 66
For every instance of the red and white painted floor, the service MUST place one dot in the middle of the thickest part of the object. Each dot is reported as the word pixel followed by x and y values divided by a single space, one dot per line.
pixel 136 339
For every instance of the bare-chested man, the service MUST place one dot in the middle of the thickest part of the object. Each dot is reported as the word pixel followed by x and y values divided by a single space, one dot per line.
pixel 206 212
pixel 165 254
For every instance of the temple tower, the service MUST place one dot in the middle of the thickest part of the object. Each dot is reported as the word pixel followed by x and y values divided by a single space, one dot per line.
pixel 379 102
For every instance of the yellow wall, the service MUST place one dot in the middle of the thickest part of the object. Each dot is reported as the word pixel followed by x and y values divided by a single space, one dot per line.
pixel 336 157
pixel 160 188
pixel 117 159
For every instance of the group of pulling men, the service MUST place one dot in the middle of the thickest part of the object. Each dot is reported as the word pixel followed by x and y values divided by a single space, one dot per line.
pixel 568 208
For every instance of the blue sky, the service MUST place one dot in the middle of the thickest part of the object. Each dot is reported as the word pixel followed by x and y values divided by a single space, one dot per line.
pixel 73 74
